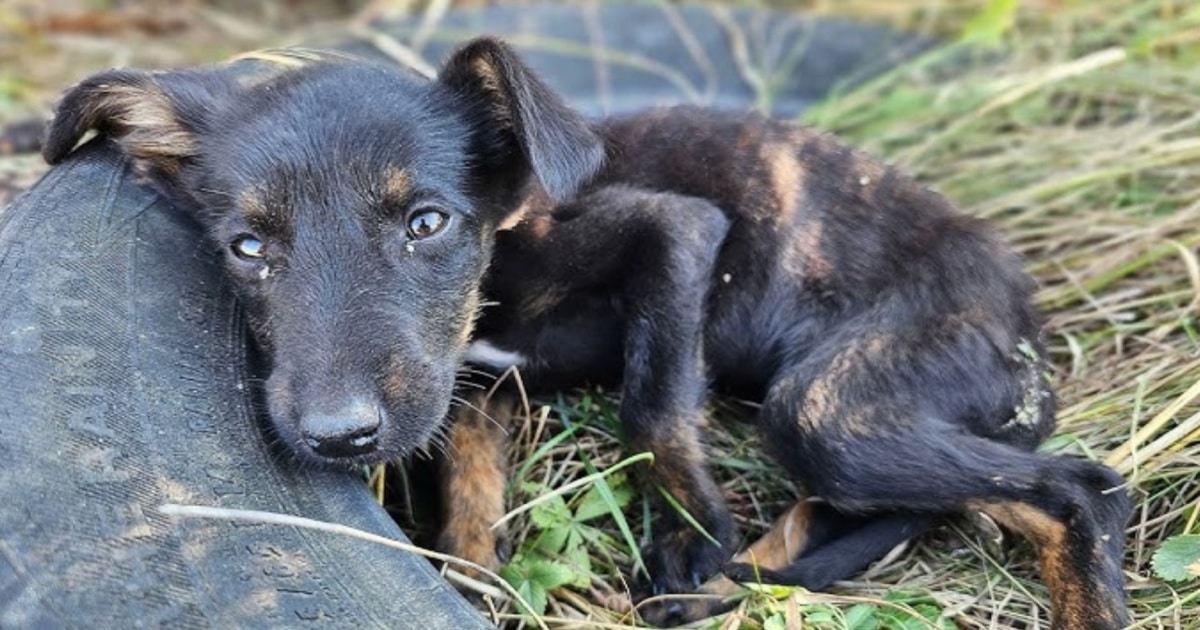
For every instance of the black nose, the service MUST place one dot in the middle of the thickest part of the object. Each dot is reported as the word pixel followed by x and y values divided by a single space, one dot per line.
pixel 352 431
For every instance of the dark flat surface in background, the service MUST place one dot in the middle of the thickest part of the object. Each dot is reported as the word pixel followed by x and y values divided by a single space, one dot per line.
pixel 617 58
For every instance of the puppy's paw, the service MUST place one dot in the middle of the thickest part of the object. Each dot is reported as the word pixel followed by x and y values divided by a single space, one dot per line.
pixel 745 573
pixel 712 598
pixel 681 561
pixel 669 611
pixel 664 613
pixel 483 546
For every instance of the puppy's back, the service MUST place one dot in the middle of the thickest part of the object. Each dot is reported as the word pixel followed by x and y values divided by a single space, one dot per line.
pixel 836 216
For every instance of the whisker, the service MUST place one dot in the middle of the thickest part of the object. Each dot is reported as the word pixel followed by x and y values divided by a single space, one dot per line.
pixel 465 403
pixel 477 372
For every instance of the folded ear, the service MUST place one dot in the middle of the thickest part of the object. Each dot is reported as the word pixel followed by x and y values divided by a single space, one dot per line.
pixel 520 126
pixel 154 117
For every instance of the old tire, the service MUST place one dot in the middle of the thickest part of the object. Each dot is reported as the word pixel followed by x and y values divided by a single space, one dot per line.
pixel 123 383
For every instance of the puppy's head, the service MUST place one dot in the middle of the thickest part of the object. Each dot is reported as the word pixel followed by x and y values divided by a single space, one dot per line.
pixel 355 207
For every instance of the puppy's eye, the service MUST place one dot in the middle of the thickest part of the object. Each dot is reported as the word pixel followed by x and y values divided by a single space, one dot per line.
pixel 248 247
pixel 426 222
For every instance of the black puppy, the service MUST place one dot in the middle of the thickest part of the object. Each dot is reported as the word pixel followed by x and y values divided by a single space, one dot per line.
pixel 367 217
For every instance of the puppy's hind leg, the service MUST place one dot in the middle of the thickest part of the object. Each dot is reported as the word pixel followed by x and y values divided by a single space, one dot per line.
pixel 900 456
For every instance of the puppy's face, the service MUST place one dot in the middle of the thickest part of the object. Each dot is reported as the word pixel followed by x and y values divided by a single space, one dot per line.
pixel 354 207
pixel 348 223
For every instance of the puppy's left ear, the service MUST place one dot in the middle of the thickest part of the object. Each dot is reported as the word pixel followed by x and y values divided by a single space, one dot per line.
pixel 520 127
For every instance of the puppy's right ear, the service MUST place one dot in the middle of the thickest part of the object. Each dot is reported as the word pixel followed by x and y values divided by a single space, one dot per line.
pixel 521 126
pixel 154 116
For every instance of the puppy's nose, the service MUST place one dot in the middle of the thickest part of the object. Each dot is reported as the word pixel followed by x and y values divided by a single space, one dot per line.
pixel 351 431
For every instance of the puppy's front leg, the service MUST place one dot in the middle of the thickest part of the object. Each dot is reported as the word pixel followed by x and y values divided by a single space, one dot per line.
pixel 473 471
pixel 656 253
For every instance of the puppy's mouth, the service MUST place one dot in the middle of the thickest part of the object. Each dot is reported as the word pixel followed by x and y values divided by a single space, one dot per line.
pixel 355 463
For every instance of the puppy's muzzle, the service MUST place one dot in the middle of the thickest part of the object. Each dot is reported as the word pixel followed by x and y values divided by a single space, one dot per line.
pixel 351 431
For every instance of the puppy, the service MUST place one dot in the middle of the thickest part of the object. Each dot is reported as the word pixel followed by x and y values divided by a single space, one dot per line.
pixel 384 230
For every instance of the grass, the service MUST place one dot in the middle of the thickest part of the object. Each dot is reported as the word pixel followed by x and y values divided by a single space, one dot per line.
pixel 1075 126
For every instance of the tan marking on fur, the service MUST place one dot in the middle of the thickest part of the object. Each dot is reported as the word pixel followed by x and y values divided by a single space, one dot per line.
pixel 804 256
pixel 485 72
pixel 679 470
pixel 822 400
pixel 534 207
pixel 1069 597
pixel 474 472
pixel 679 463
pixel 512 220
pixel 540 302
pixel 397 183
pixel 261 66
pixel 876 345
pixel 782 544
pixel 471 306
pixel 861 420
pixel 538 226
pixel 147 119
pixel 970 316
pixel 787 177
pixel 252 204
pixel 287 58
